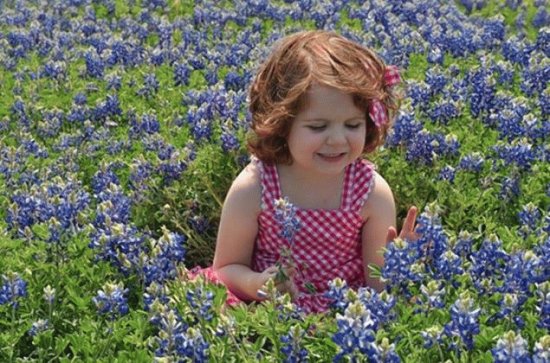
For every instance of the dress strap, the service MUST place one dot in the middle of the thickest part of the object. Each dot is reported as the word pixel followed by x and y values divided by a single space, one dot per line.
pixel 269 181
pixel 358 184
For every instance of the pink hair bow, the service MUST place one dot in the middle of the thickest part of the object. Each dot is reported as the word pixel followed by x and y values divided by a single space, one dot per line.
pixel 377 111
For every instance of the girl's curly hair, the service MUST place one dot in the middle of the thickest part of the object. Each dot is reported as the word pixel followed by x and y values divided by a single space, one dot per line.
pixel 278 90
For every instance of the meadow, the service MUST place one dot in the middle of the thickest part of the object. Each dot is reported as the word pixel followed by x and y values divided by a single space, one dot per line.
pixel 123 123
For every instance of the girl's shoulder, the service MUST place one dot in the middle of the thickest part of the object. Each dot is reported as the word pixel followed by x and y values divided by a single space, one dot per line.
pixel 380 196
pixel 246 188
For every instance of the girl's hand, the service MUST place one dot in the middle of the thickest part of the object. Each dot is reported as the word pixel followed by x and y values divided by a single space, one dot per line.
pixel 284 286
pixel 408 231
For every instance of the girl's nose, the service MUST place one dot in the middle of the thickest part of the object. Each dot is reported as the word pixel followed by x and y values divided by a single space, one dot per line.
pixel 336 137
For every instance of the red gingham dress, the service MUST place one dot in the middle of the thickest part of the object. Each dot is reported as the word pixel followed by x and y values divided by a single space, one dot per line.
pixel 328 243
pixel 326 246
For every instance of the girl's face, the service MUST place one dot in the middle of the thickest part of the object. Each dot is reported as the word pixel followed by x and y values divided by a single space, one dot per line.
pixel 328 133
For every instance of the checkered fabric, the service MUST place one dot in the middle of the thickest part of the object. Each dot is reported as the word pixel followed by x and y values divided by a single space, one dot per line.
pixel 328 243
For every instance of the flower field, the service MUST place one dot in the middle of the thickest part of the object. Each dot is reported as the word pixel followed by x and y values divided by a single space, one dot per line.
pixel 122 125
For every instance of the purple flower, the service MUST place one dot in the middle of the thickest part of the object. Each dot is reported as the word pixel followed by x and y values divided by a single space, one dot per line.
pixel 94 65
pixel 111 301
pixel 38 327
pixel 541 352
pixel 292 348
pixel 472 162
pixel 13 287
pixel 464 322
pixel 511 348
pixel 177 339
pixel 355 334
pixel 543 304
pixel 285 215
pixel 165 255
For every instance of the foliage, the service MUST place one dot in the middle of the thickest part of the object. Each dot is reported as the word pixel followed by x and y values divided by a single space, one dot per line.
pixel 122 125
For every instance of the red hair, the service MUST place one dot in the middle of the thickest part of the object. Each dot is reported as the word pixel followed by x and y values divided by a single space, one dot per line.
pixel 278 90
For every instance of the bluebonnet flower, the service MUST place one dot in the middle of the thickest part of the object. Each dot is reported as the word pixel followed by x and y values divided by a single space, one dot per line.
pixel 385 352
pixel 432 242
pixel 285 215
pixel 176 340
pixel 355 335
pixel 425 147
pixel 336 292
pixel 436 81
pixel 447 173
pixel 511 347
pixel 471 162
pixel 198 223
pixel 114 82
pixel 529 217
pixel 448 265
pixel 432 335
pixel 509 309
pixel 436 56
pixel 140 171
pixel 420 94
pixel 462 246
pixel 464 322
pixel 380 304
pixel 444 111
pixel 520 153
pixel 164 256
pixel 488 265
pixel 202 130
pixel 400 264
pixel 49 294
pixel 543 304
pixel 515 51
pixel 172 168
pixel 182 74
pixel 149 124
pixel 292 348
pixel 39 326
pixel 510 187
pixel 111 300
pixel 541 352
pixel 95 67
pixel 543 40
pixel 150 86
pixel 103 178
pixel 13 287
pixel 106 109
pixel 201 301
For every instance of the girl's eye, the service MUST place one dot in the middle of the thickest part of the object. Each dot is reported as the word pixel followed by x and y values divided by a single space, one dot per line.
pixel 353 126
pixel 316 128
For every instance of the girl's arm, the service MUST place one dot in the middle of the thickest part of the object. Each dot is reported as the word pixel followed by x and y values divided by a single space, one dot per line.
pixel 237 234
pixel 379 215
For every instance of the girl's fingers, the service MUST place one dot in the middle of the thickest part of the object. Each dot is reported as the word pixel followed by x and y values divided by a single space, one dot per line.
pixel 391 235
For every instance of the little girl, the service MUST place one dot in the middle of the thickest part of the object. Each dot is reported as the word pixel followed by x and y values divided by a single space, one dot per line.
pixel 318 104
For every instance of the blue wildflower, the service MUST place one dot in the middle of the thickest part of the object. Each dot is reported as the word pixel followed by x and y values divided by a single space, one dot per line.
pixel 292 348
pixel 13 287
pixel 541 352
pixel 464 322
pixel 471 162
pixel 355 335
pixel 285 215
pixel 543 304
pixel 38 327
pixel 511 347
pixel 165 255
pixel 447 173
pixel 111 301
pixel 488 265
